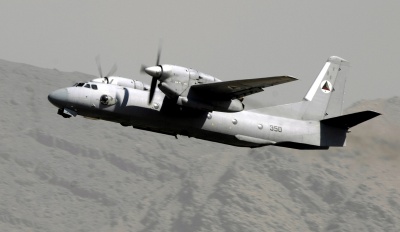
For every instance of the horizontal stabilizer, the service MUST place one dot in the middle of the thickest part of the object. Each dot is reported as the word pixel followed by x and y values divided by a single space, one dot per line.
pixel 350 120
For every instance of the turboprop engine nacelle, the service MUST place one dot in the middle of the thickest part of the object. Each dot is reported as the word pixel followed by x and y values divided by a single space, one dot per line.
pixel 176 80
pixel 122 81
pixel 168 73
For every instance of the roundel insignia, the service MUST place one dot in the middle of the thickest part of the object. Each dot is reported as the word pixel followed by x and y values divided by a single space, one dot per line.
pixel 326 86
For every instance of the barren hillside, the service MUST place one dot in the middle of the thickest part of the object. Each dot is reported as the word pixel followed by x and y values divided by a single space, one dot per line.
pixel 81 175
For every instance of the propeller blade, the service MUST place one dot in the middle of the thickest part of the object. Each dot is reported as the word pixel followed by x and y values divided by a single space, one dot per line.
pixel 158 55
pixel 98 63
pixel 152 89
pixel 151 71
pixel 112 70
pixel 143 67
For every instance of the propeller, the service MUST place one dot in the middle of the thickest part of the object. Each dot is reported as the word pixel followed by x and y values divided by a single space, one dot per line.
pixel 155 72
pixel 110 73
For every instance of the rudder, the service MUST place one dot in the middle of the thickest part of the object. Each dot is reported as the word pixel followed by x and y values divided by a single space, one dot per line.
pixel 325 97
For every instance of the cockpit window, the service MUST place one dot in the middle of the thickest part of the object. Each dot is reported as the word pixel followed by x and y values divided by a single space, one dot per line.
pixel 75 84
pixel 86 85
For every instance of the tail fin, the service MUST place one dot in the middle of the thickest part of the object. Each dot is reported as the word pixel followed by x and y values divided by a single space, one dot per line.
pixel 325 97
pixel 323 100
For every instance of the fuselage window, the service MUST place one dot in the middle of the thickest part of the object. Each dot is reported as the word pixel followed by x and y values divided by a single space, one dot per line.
pixel 87 86
pixel 80 84
pixel 94 86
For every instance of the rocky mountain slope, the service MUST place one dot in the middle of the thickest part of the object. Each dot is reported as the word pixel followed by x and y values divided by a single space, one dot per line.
pixel 81 175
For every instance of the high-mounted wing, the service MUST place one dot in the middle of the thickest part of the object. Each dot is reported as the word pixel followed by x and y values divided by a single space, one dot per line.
pixel 238 88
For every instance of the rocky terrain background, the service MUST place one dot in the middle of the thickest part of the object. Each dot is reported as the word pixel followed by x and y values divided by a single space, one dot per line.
pixel 76 174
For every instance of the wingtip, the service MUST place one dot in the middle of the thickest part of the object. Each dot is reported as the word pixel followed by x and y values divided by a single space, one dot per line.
pixel 375 113
pixel 292 78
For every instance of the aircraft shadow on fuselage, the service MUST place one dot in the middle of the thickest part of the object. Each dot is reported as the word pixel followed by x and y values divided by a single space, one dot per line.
pixel 171 116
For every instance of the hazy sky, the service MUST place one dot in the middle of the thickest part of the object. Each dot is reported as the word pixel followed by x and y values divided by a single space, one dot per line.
pixel 226 39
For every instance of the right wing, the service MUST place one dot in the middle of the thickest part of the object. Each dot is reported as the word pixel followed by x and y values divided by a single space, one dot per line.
pixel 228 90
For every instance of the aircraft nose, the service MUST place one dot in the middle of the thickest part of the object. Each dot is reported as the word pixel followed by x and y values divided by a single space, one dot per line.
pixel 59 97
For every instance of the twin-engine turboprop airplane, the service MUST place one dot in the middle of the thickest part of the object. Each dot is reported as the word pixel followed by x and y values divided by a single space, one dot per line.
pixel 191 103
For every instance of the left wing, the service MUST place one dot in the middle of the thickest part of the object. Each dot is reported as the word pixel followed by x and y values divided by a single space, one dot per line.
pixel 238 88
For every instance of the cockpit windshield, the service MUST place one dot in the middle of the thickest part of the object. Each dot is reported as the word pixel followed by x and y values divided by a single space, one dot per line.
pixel 85 85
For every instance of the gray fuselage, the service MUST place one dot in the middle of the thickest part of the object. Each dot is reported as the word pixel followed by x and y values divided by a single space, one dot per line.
pixel 131 108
